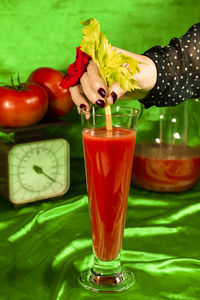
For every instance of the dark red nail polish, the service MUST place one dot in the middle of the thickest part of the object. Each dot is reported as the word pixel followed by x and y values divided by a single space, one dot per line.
pixel 114 96
pixel 100 103
pixel 83 106
pixel 102 92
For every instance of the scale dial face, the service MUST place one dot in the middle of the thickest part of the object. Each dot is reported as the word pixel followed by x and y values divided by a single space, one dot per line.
pixel 38 170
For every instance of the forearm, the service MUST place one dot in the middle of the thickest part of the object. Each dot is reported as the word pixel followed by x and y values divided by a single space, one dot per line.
pixel 178 70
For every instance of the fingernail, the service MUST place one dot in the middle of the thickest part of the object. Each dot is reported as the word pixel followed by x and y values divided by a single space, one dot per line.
pixel 102 92
pixel 114 96
pixel 100 103
pixel 83 106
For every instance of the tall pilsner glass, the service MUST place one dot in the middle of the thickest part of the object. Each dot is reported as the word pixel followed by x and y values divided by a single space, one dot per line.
pixel 108 162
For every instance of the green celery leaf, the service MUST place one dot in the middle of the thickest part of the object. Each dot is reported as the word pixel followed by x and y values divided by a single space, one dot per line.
pixel 113 66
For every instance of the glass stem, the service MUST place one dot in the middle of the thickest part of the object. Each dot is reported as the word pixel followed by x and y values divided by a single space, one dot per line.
pixel 107 272
pixel 106 268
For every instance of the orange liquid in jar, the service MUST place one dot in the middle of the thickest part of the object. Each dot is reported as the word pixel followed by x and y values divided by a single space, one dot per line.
pixel 169 168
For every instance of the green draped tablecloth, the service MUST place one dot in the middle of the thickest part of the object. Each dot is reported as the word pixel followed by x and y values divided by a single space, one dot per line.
pixel 45 245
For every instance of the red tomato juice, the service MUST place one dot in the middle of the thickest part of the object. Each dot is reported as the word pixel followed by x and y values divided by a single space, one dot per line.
pixel 108 162
pixel 166 169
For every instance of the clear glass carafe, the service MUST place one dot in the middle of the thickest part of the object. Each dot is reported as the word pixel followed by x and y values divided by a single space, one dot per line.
pixel 167 151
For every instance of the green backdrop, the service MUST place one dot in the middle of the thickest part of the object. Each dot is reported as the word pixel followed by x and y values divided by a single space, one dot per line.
pixel 45 32
pixel 43 246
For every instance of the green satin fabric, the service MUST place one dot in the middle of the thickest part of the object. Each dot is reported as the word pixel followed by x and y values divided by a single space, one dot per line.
pixel 45 245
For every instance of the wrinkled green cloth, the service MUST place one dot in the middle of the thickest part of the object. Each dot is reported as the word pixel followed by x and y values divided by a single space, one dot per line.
pixel 45 245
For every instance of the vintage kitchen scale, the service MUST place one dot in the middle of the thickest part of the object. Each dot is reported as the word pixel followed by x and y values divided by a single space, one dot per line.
pixel 35 166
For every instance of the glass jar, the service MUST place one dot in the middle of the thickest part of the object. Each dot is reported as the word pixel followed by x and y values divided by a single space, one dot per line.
pixel 167 151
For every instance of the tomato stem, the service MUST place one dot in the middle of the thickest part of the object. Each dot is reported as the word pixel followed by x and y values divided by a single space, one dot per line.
pixel 14 86
pixel 12 82
pixel 18 79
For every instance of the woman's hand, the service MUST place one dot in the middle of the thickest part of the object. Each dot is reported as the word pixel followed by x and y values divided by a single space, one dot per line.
pixel 92 87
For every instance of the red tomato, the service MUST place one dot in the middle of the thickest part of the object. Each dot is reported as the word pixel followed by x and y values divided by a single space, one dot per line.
pixel 23 105
pixel 60 101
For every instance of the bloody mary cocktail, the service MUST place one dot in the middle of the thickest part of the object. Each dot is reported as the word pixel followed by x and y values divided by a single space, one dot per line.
pixel 108 142
pixel 108 161
pixel 166 168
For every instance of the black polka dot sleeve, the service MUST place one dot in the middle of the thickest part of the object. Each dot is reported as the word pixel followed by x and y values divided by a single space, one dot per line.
pixel 178 70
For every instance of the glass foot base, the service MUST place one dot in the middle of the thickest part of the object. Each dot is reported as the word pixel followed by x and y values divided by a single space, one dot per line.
pixel 96 282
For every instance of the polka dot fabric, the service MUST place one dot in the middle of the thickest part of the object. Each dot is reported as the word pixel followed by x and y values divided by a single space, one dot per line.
pixel 178 70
